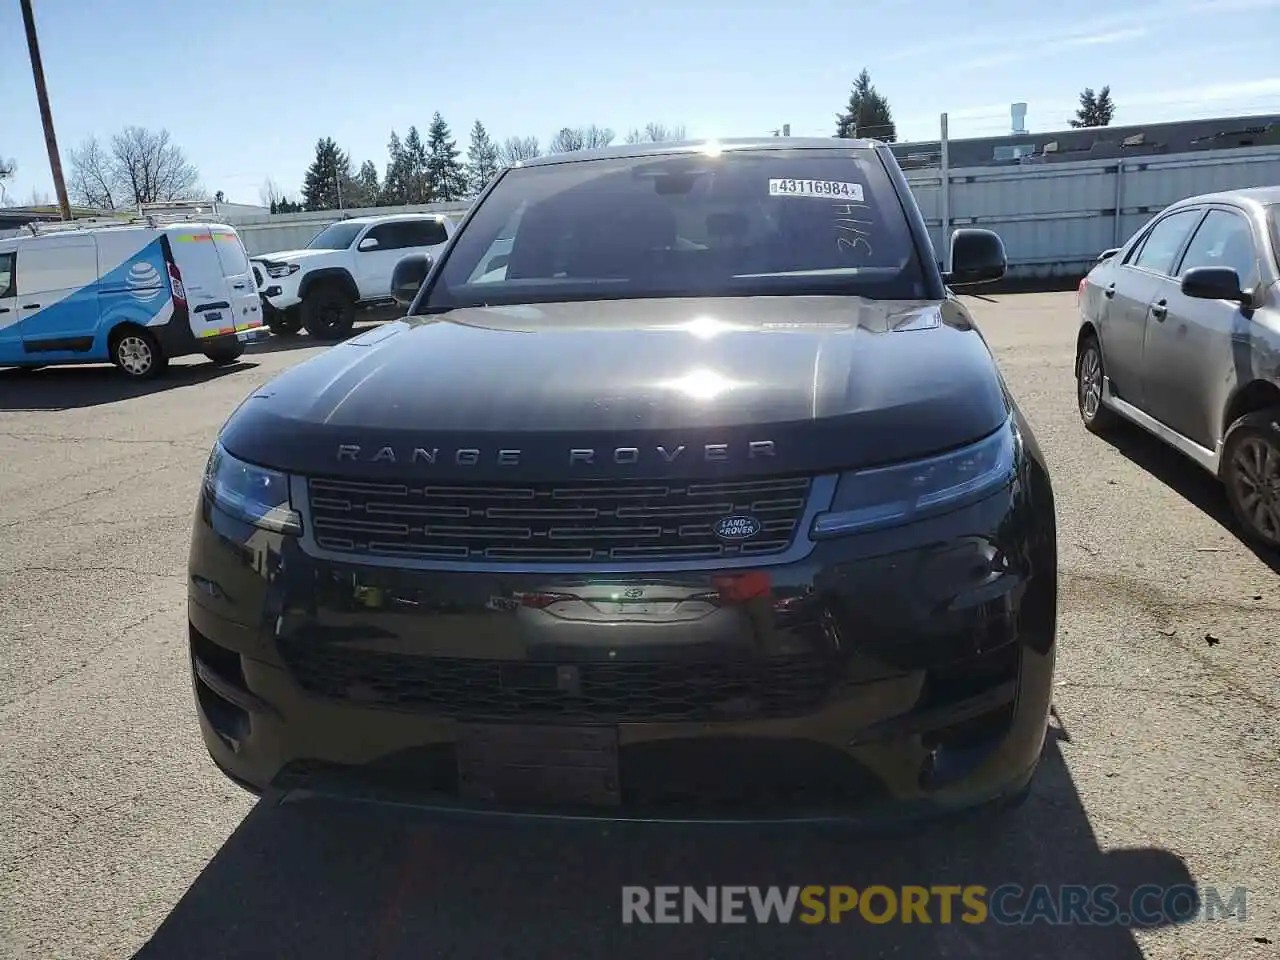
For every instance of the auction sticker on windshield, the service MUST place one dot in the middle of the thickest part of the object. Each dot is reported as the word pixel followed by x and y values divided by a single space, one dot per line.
pixel 816 188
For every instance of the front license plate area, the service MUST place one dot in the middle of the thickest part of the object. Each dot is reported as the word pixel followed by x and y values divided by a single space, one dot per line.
pixel 511 763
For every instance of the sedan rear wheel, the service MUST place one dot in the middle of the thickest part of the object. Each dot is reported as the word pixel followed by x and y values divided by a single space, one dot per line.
pixel 1090 376
pixel 1251 473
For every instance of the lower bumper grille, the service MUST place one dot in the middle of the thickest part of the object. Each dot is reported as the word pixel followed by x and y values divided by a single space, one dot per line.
pixel 584 692
pixel 584 522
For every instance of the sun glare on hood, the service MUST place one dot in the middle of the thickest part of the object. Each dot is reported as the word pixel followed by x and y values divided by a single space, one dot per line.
pixel 701 384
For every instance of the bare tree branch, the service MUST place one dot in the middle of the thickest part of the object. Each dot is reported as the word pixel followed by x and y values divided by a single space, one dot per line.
pixel 154 168
pixel 514 149
pixel 269 194
pixel 654 132
pixel 568 140
pixel 139 166
pixel 594 137
pixel 92 180
pixel 572 139
pixel 7 170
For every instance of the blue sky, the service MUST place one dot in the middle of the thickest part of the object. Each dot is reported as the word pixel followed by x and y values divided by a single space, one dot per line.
pixel 246 88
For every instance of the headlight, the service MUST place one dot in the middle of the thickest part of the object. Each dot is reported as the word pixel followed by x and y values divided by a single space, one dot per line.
pixel 905 492
pixel 253 494
pixel 278 270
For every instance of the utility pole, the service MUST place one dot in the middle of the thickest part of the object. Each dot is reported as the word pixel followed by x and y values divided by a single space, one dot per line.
pixel 944 148
pixel 46 114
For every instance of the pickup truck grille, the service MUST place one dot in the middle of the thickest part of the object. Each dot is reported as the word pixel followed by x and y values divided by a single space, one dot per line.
pixel 583 522
pixel 472 689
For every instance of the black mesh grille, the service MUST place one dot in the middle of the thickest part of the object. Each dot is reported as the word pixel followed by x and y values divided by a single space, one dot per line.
pixel 257 275
pixel 554 523
pixel 585 692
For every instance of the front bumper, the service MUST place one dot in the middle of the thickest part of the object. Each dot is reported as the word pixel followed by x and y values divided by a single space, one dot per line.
pixel 277 293
pixel 277 297
pixel 886 675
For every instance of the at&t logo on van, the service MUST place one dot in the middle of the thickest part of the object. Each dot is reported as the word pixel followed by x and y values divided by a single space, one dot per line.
pixel 144 282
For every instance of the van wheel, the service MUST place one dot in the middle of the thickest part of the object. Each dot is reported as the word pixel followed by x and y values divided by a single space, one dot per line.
pixel 137 353
pixel 285 323
pixel 226 353
pixel 328 312
pixel 1251 474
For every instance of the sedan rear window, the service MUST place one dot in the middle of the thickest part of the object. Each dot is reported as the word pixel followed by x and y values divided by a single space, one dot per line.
pixel 737 223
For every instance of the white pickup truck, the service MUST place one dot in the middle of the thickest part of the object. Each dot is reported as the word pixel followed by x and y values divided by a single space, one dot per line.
pixel 345 268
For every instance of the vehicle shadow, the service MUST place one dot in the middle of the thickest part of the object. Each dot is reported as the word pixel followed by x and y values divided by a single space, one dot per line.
pixel 74 387
pixel 1179 474
pixel 328 880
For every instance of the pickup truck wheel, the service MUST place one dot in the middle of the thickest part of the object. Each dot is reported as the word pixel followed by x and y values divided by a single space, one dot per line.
pixel 328 312
pixel 1251 474
pixel 137 353
pixel 285 323
pixel 226 353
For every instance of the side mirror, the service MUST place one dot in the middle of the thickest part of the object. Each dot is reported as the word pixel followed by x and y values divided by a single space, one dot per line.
pixel 408 276
pixel 368 243
pixel 1213 283
pixel 977 256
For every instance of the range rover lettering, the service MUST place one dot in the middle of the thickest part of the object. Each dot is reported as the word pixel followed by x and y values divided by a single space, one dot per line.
pixel 467 456
pixel 687 488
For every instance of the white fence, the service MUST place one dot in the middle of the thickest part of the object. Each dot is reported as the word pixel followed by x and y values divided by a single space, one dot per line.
pixel 1055 218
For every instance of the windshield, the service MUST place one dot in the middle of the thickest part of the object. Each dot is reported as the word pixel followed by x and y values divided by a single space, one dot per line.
pixel 742 223
pixel 337 236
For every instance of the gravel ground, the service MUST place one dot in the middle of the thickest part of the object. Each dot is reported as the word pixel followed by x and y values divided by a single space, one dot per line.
pixel 124 841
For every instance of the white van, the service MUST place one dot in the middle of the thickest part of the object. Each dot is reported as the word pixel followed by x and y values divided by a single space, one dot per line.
pixel 135 294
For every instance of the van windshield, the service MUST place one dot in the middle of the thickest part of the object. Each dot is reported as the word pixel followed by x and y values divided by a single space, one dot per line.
pixel 740 223
pixel 337 236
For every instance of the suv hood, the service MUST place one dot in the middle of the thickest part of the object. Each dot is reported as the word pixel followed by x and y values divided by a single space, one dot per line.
pixel 293 256
pixel 674 387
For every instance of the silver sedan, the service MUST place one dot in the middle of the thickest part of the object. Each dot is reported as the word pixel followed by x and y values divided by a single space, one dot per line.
pixel 1180 334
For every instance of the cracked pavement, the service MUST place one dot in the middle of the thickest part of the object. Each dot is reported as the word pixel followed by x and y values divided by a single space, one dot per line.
pixel 123 840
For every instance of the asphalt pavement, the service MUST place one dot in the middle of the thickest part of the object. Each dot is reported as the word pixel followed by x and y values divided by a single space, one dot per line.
pixel 123 841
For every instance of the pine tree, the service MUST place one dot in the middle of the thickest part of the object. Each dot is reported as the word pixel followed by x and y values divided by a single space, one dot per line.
pixel 395 186
pixel 867 114
pixel 482 160
pixel 418 186
pixel 366 185
pixel 1096 109
pixel 327 177
pixel 444 171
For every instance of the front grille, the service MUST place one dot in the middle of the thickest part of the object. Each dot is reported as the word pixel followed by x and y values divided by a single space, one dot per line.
pixel 585 693
pixel 585 522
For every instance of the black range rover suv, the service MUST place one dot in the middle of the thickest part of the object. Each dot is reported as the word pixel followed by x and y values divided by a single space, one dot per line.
pixel 686 489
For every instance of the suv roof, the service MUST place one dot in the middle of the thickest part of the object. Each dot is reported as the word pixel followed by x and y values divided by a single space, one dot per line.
pixel 698 146
pixel 383 218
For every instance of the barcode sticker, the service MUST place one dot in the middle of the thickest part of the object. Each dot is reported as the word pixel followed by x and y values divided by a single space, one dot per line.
pixel 826 189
